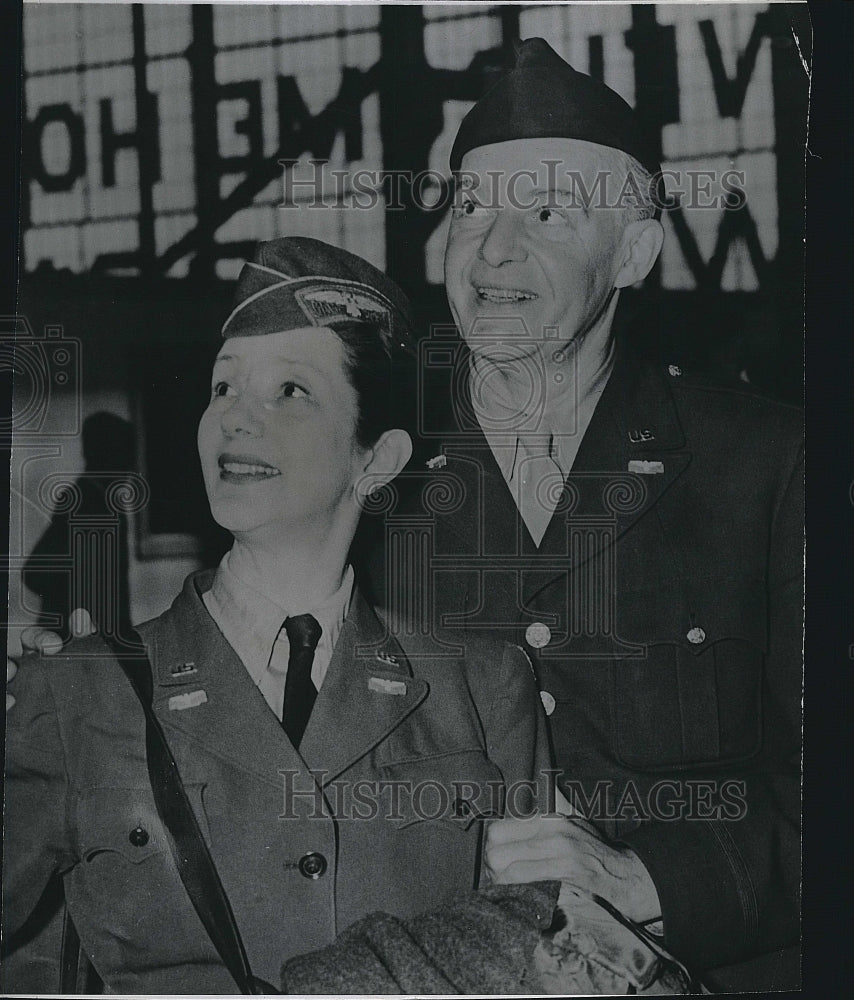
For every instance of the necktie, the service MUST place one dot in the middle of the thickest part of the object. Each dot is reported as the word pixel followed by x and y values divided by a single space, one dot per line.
pixel 538 481
pixel 303 635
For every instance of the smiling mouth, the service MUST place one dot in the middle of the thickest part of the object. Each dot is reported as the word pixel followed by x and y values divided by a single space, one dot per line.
pixel 243 468
pixel 503 296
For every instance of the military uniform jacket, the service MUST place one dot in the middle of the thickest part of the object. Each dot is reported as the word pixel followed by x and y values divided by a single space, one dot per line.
pixel 663 614
pixel 378 811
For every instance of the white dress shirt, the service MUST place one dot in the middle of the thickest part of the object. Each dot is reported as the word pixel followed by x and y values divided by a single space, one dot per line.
pixel 538 454
pixel 253 626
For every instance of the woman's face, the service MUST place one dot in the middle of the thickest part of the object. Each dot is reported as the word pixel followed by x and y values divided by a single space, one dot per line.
pixel 277 441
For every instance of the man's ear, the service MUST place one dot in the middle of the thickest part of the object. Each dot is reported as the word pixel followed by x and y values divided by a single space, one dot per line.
pixel 385 460
pixel 641 242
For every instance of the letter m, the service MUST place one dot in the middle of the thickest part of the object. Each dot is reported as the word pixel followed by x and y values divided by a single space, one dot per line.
pixel 299 132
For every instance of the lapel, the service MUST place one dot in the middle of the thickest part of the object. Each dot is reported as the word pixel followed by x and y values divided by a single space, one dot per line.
pixel 368 691
pixel 635 421
pixel 233 722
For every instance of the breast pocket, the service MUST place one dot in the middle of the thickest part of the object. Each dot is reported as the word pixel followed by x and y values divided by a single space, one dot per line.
pixel 125 893
pixel 124 822
pixel 695 697
pixel 453 789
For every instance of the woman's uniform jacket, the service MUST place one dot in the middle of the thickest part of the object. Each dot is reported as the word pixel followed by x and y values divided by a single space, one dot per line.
pixel 663 613
pixel 405 749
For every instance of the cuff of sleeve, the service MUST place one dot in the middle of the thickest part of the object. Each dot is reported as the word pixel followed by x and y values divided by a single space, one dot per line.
pixel 705 894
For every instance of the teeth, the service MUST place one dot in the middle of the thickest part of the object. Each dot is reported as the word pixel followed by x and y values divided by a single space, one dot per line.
pixel 504 294
pixel 238 468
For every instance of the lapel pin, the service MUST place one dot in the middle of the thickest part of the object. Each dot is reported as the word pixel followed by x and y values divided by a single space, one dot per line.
pixel 384 686
pixel 646 468
pixel 438 462
pixel 389 659
pixel 183 669
pixel 636 437
pixel 192 699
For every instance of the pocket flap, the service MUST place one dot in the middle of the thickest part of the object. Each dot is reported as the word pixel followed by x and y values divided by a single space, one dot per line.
pixel 455 788
pixel 125 821
pixel 727 608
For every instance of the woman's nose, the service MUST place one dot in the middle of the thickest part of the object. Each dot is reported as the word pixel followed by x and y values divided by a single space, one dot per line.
pixel 503 240
pixel 241 418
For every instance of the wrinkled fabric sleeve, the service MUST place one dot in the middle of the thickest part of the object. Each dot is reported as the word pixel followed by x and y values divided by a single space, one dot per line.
pixel 36 842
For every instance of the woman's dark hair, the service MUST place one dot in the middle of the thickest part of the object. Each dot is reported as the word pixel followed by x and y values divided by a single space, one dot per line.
pixel 384 377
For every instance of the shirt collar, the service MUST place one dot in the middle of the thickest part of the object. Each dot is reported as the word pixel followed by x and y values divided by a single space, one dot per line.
pixel 560 424
pixel 251 622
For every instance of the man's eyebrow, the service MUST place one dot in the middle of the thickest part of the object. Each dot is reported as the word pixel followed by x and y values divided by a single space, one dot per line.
pixel 566 192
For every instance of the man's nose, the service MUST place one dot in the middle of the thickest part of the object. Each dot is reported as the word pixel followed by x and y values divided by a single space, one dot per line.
pixel 503 241
pixel 242 418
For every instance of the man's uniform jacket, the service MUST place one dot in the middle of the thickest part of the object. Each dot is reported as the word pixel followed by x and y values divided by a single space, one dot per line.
pixel 396 737
pixel 663 614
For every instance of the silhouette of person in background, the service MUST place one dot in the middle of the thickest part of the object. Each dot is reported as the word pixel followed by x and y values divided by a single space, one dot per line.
pixel 81 561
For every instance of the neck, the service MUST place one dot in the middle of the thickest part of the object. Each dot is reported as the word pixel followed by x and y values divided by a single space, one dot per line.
pixel 296 575
pixel 575 373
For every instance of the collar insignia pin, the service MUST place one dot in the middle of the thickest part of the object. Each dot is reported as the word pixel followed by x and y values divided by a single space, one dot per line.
pixel 183 669
pixel 384 686
pixel 646 468
pixel 637 436
pixel 438 462
pixel 192 699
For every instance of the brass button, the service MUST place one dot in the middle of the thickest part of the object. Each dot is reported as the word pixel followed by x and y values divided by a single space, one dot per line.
pixel 138 836
pixel 312 865
pixel 548 701
pixel 538 635
pixel 696 635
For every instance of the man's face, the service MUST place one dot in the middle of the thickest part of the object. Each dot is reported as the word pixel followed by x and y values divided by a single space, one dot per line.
pixel 525 262
pixel 277 441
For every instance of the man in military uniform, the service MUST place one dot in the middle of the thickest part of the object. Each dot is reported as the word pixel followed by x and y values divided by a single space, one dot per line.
pixel 637 529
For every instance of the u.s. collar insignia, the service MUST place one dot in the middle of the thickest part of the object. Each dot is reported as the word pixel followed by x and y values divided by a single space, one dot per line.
pixel 389 659
pixel 437 462
pixel 183 669
pixel 339 303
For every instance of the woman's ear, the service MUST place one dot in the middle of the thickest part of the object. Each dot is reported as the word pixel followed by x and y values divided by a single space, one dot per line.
pixel 642 242
pixel 384 461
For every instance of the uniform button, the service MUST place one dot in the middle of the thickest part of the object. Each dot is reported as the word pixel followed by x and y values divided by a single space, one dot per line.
pixel 696 635
pixel 674 370
pixel 538 635
pixel 312 865
pixel 548 701
pixel 138 836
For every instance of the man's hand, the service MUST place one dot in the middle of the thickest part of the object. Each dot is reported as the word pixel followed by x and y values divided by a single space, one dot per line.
pixel 572 850
pixel 42 640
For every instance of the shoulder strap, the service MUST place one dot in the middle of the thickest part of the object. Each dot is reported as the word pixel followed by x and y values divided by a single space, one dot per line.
pixel 186 842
